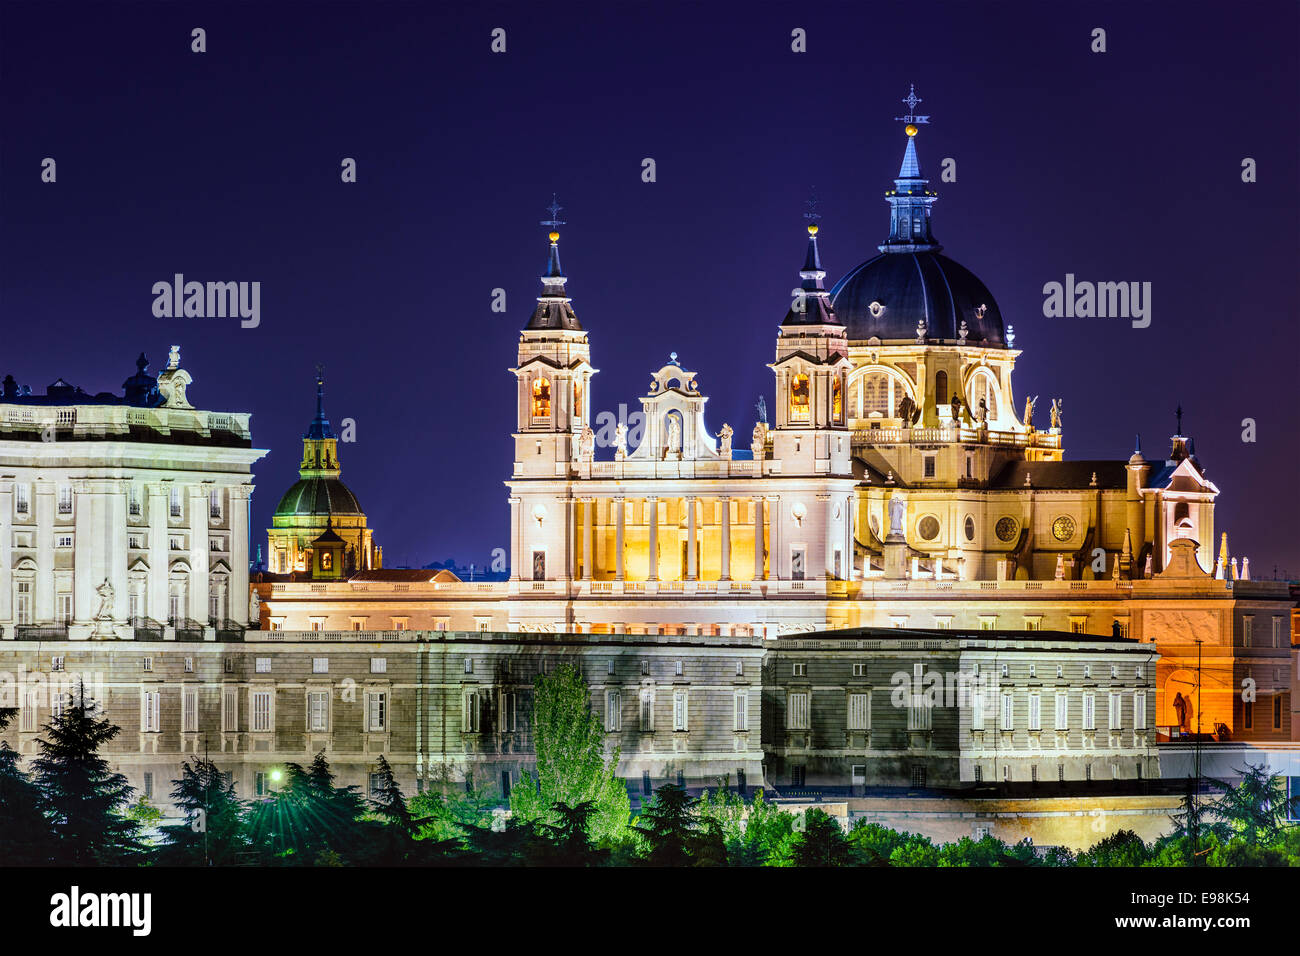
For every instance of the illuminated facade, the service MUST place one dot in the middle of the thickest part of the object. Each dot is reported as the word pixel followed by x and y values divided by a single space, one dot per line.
pixel 318 526
pixel 901 482
pixel 123 516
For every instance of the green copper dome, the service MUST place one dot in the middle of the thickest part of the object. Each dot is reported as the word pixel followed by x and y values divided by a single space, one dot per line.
pixel 318 496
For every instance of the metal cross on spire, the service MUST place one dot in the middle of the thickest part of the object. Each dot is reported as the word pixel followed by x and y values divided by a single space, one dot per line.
pixel 812 202
pixel 1179 412
pixel 320 373
pixel 554 209
pixel 911 118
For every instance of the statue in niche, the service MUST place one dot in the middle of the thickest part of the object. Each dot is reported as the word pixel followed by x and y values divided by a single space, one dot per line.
pixel 1029 410
pixel 674 437
pixel 984 412
pixel 1056 412
pixel 620 442
pixel 725 436
pixel 587 443
pixel 1180 710
pixel 896 509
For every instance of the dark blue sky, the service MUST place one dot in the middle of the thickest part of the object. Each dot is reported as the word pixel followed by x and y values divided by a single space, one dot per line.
pixel 225 166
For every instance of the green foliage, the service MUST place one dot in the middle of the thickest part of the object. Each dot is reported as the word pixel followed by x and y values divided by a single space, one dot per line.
pixel 916 850
pixel 571 767
pixel 874 844
pixel 214 829
pixel 1122 848
pixel 308 817
pixel 82 800
pixel 666 827
pixel 24 831
pixel 445 815
pixel 1257 808
pixel 822 842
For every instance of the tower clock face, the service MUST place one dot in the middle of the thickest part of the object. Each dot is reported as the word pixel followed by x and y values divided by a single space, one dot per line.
pixel 1005 529
pixel 1063 528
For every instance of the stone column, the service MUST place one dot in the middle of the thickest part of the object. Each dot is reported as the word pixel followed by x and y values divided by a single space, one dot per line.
pixel 619 502
pixel 237 514
pixel 828 552
pixel 6 555
pixel 725 573
pixel 198 503
pixel 691 569
pixel 43 600
pixel 652 505
pixel 588 551
pixel 776 540
pixel 115 543
pixel 156 602
pixel 516 540
pixel 758 538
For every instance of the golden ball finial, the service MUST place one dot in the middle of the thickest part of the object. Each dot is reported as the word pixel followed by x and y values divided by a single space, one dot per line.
pixel 812 230
pixel 911 130
pixel 555 236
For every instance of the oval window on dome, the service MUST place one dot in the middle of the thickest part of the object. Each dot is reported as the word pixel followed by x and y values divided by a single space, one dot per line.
pixel 970 528
pixel 928 528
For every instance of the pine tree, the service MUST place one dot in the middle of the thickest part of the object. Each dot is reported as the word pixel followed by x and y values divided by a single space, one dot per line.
pixel 213 833
pixel 396 831
pixel 666 826
pixel 82 799
pixel 572 766
pixel 1257 808
pixel 24 834
pixel 822 842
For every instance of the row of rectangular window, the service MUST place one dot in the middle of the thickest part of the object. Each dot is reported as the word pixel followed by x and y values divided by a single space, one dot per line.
pixel 920 711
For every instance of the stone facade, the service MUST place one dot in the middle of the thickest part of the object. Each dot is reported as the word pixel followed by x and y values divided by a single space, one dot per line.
pixel 845 712
pixel 440 707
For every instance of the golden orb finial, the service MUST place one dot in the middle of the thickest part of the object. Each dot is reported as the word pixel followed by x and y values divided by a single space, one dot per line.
pixel 812 230
pixel 910 130
pixel 554 236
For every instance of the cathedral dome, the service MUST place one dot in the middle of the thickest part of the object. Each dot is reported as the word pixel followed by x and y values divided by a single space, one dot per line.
pixel 888 295
pixel 320 497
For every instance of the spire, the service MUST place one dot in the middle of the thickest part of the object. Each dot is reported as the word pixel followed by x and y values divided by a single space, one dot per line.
pixel 553 310
pixel 910 200
pixel 812 304
pixel 320 426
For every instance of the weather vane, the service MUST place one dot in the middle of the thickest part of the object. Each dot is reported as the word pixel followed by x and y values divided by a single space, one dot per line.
pixel 911 118
pixel 554 208
pixel 320 373
pixel 812 215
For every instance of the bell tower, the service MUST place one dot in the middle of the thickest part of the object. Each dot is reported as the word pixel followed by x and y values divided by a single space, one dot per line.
pixel 553 376
pixel 810 434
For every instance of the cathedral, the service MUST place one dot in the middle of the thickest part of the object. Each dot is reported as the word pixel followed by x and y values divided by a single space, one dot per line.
pixel 900 483
pixel 901 496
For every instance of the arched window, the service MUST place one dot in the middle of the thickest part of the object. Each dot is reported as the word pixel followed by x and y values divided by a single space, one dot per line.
pixel 876 394
pixel 941 388
pixel 542 398
pixel 982 387
pixel 837 400
pixel 799 398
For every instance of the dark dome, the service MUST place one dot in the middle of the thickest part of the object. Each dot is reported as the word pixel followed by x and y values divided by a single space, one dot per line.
pixel 912 285
pixel 318 496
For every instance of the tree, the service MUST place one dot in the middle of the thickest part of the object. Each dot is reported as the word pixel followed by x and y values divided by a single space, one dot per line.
pixel 665 827
pixel 875 844
pixel 569 842
pixel 571 766
pixel 81 798
pixel 821 843
pixel 213 833
pixel 1121 848
pixel 397 828
pixel 24 832
pixel 1257 808
pixel 309 819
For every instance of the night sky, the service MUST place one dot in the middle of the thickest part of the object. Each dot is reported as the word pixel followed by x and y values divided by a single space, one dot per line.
pixel 1122 166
